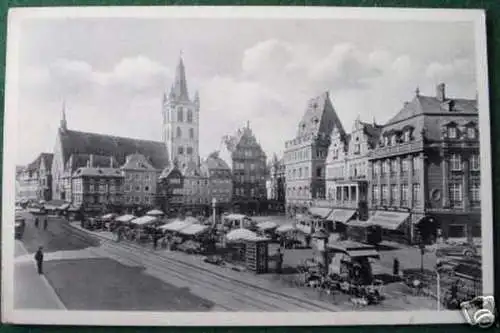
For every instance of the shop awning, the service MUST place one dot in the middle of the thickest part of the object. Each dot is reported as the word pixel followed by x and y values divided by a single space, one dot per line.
pixel 193 229
pixel 388 220
pixel 144 220
pixel 363 253
pixel 235 216
pixel 320 212
pixel 125 218
pixel 341 215
pixel 356 223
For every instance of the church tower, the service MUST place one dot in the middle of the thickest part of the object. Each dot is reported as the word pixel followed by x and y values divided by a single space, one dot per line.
pixel 181 120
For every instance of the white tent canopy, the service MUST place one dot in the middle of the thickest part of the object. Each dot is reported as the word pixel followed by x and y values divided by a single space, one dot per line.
pixel 243 235
pixel 176 225
pixel 125 218
pixel 155 212
pixel 286 228
pixel 144 220
pixel 235 216
pixel 193 229
pixel 268 225
pixel 108 216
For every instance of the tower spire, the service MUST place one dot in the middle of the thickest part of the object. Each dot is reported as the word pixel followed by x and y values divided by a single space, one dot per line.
pixel 63 124
pixel 180 84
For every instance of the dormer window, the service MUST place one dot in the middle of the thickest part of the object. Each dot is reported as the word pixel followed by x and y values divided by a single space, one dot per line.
pixel 452 132
pixel 386 141
pixel 357 147
pixel 471 132
pixel 406 136
pixel 394 139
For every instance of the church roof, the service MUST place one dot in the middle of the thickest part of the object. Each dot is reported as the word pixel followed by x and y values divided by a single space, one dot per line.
pixel 179 88
pixel 81 160
pixel 83 143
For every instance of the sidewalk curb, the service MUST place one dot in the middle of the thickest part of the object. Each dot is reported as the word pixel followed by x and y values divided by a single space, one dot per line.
pixel 49 287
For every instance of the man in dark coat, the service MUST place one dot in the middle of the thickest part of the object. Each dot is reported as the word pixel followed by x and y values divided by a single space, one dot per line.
pixel 279 262
pixel 39 260
pixel 395 267
pixel 36 221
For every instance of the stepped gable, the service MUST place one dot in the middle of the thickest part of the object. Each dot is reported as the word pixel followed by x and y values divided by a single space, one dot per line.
pixel 83 143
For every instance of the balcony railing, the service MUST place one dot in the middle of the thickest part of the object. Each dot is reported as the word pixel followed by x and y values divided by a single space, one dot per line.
pixel 398 149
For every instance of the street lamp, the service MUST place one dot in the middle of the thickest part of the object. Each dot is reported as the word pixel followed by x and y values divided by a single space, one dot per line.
pixel 214 203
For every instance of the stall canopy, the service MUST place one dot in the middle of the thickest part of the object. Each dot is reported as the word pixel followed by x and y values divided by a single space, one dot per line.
pixel 286 228
pixel 125 218
pixel 193 229
pixel 176 225
pixel 108 216
pixel 235 216
pixel 268 225
pixel 155 212
pixel 191 219
pixel 320 212
pixel 388 220
pixel 144 220
pixel 355 223
pixel 241 234
pixel 354 249
pixel 341 215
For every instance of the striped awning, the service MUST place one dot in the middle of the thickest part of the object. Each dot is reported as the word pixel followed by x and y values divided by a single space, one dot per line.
pixel 388 220
pixel 341 215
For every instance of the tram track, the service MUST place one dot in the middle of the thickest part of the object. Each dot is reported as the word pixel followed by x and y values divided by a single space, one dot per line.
pixel 247 295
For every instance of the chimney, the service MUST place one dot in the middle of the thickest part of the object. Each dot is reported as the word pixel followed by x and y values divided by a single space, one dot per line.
pixel 440 92
pixel 91 161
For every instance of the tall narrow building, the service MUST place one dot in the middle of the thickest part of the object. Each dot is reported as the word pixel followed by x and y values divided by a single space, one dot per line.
pixel 181 121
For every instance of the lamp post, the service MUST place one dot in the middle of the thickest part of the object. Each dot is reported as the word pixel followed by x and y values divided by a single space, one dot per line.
pixel 214 203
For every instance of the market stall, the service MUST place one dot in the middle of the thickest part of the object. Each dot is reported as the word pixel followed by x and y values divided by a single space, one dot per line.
pixel 143 227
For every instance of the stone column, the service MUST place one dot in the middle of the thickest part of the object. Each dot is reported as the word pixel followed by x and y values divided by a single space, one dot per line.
pixel 445 175
pixel 398 177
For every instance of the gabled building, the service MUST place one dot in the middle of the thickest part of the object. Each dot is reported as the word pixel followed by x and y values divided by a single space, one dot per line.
pixel 220 181
pixel 305 154
pixel 276 184
pixel 347 172
pixel 34 182
pixel 140 181
pixel 425 170
pixel 248 162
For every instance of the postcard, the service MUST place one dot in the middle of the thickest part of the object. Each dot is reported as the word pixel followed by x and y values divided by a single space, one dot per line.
pixel 243 166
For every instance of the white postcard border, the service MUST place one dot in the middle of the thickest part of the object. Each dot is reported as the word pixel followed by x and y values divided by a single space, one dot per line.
pixel 114 318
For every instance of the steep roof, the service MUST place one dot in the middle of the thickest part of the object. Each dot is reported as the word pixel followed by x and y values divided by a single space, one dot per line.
pixel 193 169
pixel 431 105
pixel 43 157
pixel 372 132
pixel 137 162
pixel 83 143
pixel 98 172
pixel 213 161
pixel 231 142
pixel 82 160
pixel 179 88
pixel 320 117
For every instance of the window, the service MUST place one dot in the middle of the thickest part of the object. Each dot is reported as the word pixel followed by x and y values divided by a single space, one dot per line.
pixel 137 188
pixel 471 132
pixel 404 166
pixel 102 188
pixel 91 188
pixel 376 169
pixel 385 194
pixel 474 162
pixel 404 195
pixel 385 167
pixel 190 116
pixel 475 194
pixel 452 132
pixel 127 188
pixel 357 147
pixel 300 172
pixel 146 199
pixel 252 167
pixel 456 162
pixel 394 166
pixel 179 132
pixel 375 193
pixel 415 164
pixel 406 136
pixel 129 176
pixel 180 150
pixel 137 199
pixel 137 176
pixel 306 172
pixel 394 193
pixel 180 115
pixel 319 172
pixel 189 150
pixel 394 140
pixel 191 133
pixel 456 194
pixel 416 193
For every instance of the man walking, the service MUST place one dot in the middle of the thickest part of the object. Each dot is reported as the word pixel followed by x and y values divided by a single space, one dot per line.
pixel 45 222
pixel 279 262
pixel 36 221
pixel 39 260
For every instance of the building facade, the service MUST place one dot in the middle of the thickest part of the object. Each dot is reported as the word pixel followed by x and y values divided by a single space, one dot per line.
pixel 249 170
pixel 277 185
pixel 425 170
pixel 140 181
pixel 170 182
pixel 97 189
pixel 220 182
pixel 34 182
pixel 347 172
pixel 305 155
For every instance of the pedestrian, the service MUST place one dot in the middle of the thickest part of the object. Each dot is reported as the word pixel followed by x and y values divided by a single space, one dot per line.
pixel 279 262
pixel 36 221
pixel 155 240
pixel 39 260
pixel 45 223
pixel 395 267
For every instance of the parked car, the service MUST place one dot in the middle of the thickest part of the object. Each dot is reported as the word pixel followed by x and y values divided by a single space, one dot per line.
pixel 458 250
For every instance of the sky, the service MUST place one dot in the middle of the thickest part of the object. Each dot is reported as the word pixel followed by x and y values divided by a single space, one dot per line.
pixel 111 73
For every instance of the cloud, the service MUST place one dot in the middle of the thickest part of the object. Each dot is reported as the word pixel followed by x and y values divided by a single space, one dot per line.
pixel 461 69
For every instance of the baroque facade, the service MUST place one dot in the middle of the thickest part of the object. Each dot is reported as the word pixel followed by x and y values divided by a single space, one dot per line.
pixel 140 181
pixel 305 155
pixel 425 170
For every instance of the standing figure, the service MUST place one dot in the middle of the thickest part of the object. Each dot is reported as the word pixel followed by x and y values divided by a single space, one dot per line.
pixel 155 239
pixel 45 222
pixel 36 221
pixel 39 260
pixel 279 263
pixel 395 267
